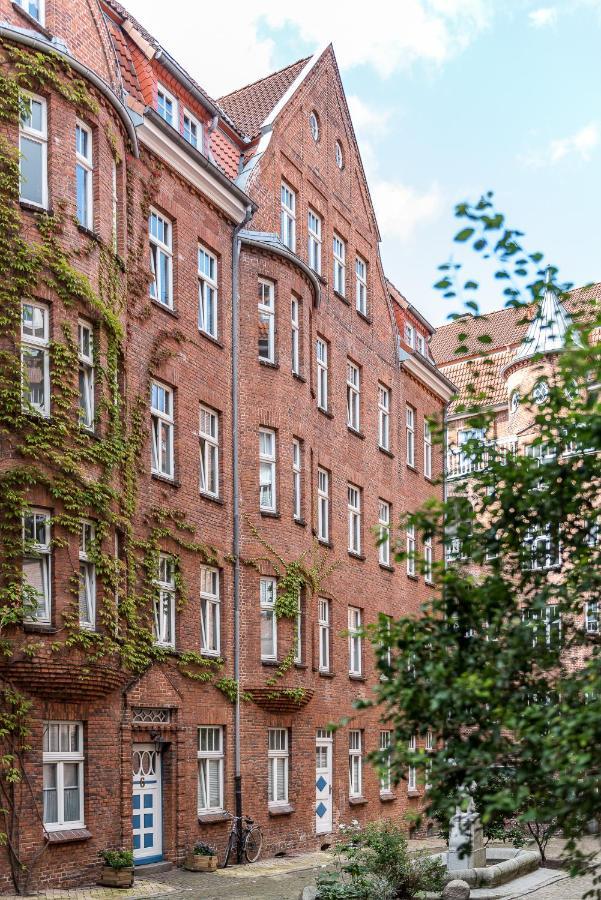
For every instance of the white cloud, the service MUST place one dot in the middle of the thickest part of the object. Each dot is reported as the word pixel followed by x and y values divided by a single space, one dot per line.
pixel 580 145
pixel 401 209
pixel 368 119
pixel 543 17
pixel 225 45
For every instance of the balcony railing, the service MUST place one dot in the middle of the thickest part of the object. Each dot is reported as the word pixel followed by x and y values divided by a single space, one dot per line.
pixel 462 462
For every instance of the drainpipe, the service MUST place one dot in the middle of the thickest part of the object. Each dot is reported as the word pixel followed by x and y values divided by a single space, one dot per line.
pixel 236 502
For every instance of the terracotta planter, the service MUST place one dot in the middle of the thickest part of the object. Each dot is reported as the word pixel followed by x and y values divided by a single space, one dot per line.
pixel 196 863
pixel 119 878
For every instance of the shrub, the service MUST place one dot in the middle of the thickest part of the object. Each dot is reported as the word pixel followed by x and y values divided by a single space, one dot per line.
pixel 117 859
pixel 202 849
pixel 374 862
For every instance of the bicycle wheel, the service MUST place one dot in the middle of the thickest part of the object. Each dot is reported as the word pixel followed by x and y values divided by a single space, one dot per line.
pixel 253 844
pixel 231 848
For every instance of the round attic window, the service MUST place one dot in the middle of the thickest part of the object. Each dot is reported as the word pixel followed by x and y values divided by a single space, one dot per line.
pixel 314 126
pixel 338 154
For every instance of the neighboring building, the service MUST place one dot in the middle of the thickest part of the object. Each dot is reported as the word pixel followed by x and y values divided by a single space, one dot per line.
pixel 239 333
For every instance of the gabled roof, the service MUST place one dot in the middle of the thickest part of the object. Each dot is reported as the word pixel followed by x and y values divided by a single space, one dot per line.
pixel 249 106
pixel 548 329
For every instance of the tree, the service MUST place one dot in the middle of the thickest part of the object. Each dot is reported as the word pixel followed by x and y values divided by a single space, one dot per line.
pixel 498 665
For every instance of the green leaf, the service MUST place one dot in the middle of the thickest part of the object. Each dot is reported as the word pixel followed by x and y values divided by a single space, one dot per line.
pixel 464 234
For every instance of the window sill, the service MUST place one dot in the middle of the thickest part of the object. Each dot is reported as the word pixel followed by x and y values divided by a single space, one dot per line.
pixel 356 432
pixel 366 318
pixel 299 377
pixel 387 796
pixel 268 364
pixel 386 452
pixel 274 663
pixel 359 556
pixel 284 810
pixel 357 801
pixel 270 514
pixel 212 499
pixel 166 309
pixel 386 567
pixel 300 522
pixel 430 480
pixel 413 793
pixel 39 628
pixel 413 577
pixel 325 412
pixel 341 297
pixel 210 338
pixel 300 665
pixel 413 468
pixel 31 20
pixel 89 232
pixel 68 835
pixel 327 544
pixel 353 677
pixel 210 818
pixel 34 207
pixel 165 479
pixel 325 674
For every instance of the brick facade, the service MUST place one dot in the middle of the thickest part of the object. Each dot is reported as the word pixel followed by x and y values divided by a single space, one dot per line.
pixel 165 345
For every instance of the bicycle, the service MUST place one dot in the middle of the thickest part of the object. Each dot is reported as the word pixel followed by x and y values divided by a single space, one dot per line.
pixel 250 836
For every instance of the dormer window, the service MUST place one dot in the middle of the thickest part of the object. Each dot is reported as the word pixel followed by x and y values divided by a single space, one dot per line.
pixel 35 8
pixel 410 335
pixel 192 130
pixel 167 106
pixel 420 343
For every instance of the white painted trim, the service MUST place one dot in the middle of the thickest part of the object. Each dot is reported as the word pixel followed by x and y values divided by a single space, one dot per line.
pixel 427 377
pixel 157 142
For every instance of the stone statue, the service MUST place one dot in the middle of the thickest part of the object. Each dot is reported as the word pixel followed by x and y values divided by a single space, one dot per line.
pixel 466 849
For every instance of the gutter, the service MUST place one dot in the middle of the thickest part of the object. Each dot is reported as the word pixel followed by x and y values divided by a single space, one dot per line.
pixel 421 318
pixel 35 43
pixel 282 251
pixel 236 245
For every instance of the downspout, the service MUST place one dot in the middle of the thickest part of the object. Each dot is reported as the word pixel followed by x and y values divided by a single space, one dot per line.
pixel 236 503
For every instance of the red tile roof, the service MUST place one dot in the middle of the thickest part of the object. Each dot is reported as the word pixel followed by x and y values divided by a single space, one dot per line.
pixel 249 106
pixel 128 69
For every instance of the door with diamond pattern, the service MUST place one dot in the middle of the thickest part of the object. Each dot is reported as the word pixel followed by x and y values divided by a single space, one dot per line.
pixel 323 782
pixel 147 819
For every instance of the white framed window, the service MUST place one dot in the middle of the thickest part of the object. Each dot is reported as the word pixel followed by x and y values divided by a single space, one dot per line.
pixel 409 335
pixel 35 357
pixel 210 769
pixel 428 561
pixel 208 435
pixel 192 130
pixel 386 770
pixel 288 216
pixel 354 518
pixel 361 285
pixel 298 632
pixel 339 248
pixel 62 757
pixel 544 549
pixel 545 624
pixel 207 292
pixel 85 353
pixel 269 622
pixel 295 335
pixel 427 449
pixel 384 536
pixel 160 234
pixel 33 150
pixel 410 532
pixel 267 472
pixel 314 238
pixel 314 126
pixel 410 432
pixel 114 207
pixel 324 625
pixel 339 155
pixel 383 417
pixel 297 496
pixel 84 168
pixel 164 605
pixel 355 641
pixel 266 321
pixel 355 763
pixel 322 374
pixel 167 107
pixel 162 425
pixel 353 396
pixel 323 505
pixel 277 760
pixel 210 611
pixel 37 565
pixel 35 8
pixel 591 617
pixel 429 743
pixel 87 575
pixel 420 343
pixel 412 772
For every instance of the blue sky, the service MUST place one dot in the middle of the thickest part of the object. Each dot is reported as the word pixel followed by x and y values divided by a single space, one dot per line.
pixel 449 98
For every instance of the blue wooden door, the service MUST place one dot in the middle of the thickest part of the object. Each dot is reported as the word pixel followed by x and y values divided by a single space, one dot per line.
pixel 147 819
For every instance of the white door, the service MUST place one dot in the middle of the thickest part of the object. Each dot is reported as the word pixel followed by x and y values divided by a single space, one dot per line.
pixel 323 782
pixel 147 819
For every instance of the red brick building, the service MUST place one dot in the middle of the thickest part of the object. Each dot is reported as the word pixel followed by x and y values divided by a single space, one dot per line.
pixel 221 399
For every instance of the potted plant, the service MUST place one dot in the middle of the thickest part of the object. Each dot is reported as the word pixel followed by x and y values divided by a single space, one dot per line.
pixel 202 858
pixel 118 869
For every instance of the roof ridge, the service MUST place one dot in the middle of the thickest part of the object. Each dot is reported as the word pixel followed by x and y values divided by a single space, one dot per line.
pixel 244 87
